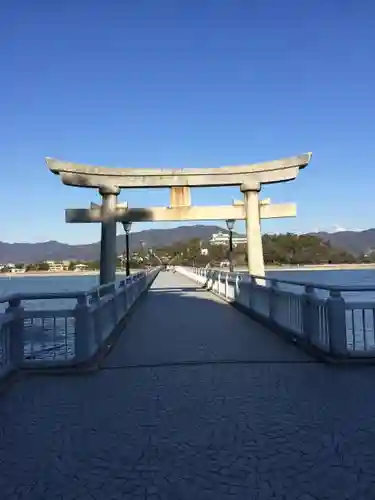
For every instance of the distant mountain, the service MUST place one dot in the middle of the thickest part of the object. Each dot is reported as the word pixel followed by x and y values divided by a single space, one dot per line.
pixel 355 242
pixel 54 250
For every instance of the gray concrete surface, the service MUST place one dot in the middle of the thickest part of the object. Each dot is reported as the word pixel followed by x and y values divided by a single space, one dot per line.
pixel 195 401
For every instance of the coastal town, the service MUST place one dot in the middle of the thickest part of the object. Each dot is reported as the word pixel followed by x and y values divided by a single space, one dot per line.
pixel 48 265
pixel 280 251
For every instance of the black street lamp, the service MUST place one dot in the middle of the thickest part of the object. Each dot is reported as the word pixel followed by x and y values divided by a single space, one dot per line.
pixel 230 226
pixel 127 227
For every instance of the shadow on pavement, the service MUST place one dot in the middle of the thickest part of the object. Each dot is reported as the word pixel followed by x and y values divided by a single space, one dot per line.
pixel 188 325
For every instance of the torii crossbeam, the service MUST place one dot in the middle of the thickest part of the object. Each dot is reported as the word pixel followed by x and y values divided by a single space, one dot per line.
pixel 164 214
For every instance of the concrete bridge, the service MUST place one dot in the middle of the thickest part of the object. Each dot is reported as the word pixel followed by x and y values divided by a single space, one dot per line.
pixel 190 399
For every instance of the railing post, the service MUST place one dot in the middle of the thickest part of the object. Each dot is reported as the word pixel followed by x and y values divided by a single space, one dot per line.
pixel 115 310
pixel 143 283
pixel 250 284
pixel 16 332
pixel 123 294
pixel 226 286
pixel 273 292
pixel 236 287
pixel 94 317
pixel 207 278
pixel 83 330
pixel 337 323
pixel 308 314
pixel 128 293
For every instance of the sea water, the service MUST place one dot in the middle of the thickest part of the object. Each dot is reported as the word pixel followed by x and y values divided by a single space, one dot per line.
pixel 48 284
pixel 54 284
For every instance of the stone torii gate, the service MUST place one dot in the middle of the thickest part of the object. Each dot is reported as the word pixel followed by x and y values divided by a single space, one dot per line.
pixel 109 182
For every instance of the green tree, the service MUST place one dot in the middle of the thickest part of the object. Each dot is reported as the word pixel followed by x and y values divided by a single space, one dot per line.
pixel 31 267
pixel 43 266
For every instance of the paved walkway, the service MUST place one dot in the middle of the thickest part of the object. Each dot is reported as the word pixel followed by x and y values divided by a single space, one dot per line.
pixel 194 402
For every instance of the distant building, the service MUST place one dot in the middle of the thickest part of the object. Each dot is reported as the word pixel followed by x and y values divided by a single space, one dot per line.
pixel 57 267
pixel 204 251
pixel 370 253
pixel 222 239
pixel 12 268
pixel 136 257
pixel 80 267
pixel 224 263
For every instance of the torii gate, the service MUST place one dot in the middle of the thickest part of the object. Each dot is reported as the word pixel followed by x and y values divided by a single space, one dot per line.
pixel 109 182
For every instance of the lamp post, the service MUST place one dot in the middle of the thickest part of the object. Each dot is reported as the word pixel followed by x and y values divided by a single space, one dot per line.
pixel 230 226
pixel 127 227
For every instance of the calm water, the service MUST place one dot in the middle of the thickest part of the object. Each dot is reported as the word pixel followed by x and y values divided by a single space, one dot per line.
pixel 330 277
pixel 347 277
pixel 48 284
pixel 38 284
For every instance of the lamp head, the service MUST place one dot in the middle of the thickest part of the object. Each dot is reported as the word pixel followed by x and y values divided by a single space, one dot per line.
pixel 230 224
pixel 127 226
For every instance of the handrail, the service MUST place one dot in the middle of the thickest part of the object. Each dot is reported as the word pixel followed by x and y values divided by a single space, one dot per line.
pixel 332 324
pixel 43 295
pixel 61 295
pixel 51 336
pixel 320 286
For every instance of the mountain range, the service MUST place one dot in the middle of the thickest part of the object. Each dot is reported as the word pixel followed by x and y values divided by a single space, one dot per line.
pixel 55 250
pixel 355 242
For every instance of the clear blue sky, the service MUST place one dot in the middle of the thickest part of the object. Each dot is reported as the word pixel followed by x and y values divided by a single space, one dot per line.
pixel 186 84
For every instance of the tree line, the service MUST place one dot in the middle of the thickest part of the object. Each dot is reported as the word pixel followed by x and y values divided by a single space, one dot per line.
pixel 278 249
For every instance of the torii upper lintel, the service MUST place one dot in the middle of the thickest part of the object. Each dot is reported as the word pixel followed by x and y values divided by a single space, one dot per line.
pixel 74 174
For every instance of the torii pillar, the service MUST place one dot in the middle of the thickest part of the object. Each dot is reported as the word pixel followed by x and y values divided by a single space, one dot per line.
pixel 108 254
pixel 255 260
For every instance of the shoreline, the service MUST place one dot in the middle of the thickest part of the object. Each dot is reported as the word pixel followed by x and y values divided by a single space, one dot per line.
pixel 53 274
pixel 312 267
pixel 307 267
pixel 322 267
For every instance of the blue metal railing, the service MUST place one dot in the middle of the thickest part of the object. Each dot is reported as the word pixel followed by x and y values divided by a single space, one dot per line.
pixel 320 314
pixel 50 336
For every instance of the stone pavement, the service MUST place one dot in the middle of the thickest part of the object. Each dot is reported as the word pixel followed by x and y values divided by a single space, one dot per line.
pixel 195 401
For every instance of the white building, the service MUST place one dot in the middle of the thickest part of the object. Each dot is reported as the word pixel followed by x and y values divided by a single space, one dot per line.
pixel 80 267
pixel 11 268
pixel 57 267
pixel 222 239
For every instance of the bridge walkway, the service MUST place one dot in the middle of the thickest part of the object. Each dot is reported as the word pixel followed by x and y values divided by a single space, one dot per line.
pixel 194 401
